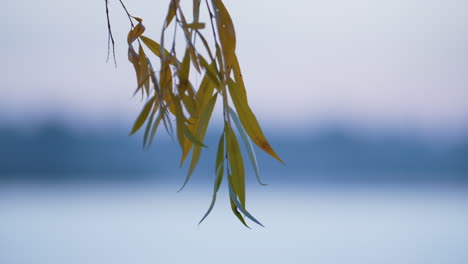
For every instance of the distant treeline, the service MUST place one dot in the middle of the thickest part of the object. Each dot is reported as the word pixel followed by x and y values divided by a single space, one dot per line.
pixel 54 153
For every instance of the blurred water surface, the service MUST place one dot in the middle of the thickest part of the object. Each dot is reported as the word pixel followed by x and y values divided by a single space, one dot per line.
pixel 151 223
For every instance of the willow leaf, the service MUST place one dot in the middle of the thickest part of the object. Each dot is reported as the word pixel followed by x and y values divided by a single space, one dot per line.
pixel 155 127
pixel 219 171
pixel 227 34
pixel 210 70
pixel 249 121
pixel 236 213
pixel 201 131
pixel 195 26
pixel 148 129
pixel 171 12
pixel 234 200
pixel 203 96
pixel 136 32
pixel 142 116
pixel 236 164
pixel 247 144
pixel 144 70
pixel 192 138
pixel 196 10
pixel 205 43
pixel 238 77
pixel 156 49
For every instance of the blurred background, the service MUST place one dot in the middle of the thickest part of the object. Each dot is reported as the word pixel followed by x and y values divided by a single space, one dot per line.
pixel 365 101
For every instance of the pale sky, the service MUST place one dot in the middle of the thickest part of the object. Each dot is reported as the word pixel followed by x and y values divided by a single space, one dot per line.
pixel 366 62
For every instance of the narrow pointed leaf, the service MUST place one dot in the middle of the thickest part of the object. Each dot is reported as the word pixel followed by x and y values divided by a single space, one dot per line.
pixel 201 131
pixel 171 12
pixel 148 129
pixel 196 10
pixel 236 213
pixel 219 171
pixel 236 165
pixel 143 115
pixel 144 70
pixel 196 25
pixel 227 34
pixel 249 121
pixel 203 96
pixel 247 144
pixel 233 197
pixel 154 129
pixel 156 49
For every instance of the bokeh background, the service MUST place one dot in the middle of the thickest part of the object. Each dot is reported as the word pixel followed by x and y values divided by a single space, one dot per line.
pixel 365 101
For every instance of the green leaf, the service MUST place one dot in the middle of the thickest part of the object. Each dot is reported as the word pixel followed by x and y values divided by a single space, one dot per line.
pixel 247 144
pixel 219 171
pixel 234 200
pixel 143 115
pixel 148 128
pixel 192 138
pixel 236 213
pixel 249 121
pixel 155 127
pixel 236 164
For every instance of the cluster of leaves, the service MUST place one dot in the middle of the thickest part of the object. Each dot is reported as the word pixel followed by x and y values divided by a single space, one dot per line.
pixel 170 95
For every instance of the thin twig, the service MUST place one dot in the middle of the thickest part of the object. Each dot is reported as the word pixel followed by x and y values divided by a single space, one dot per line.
pixel 110 37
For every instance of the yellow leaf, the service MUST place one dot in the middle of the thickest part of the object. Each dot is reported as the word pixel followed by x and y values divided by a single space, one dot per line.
pixel 236 165
pixel 195 25
pixel 210 70
pixel 203 96
pixel 135 60
pixel 144 71
pixel 180 123
pixel 171 12
pixel 156 49
pixel 238 77
pixel 234 208
pixel 142 116
pixel 196 10
pixel 165 84
pixel 201 131
pixel 249 121
pixel 136 32
pixel 227 34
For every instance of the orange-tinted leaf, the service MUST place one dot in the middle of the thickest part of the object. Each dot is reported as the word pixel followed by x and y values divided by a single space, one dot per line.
pixel 249 121
pixel 136 32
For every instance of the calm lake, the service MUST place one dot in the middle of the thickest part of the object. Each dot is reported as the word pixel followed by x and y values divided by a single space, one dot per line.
pixel 121 223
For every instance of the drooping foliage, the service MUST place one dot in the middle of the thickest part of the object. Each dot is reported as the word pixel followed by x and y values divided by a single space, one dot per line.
pixel 172 99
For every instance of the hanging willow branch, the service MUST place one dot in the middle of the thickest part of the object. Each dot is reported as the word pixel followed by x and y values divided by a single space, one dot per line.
pixel 170 95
